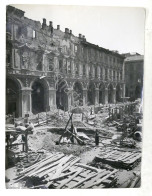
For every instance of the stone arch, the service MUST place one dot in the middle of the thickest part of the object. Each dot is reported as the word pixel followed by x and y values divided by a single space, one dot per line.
pixel 13 103
pixel 118 93
pixel 78 93
pixel 110 93
pixel 102 93
pixel 39 95
pixel 91 93
pixel 61 95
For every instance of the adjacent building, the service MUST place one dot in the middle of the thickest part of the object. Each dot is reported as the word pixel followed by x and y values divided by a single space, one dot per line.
pixel 134 75
pixel 47 68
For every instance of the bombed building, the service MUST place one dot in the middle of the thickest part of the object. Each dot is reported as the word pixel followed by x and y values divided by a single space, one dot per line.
pixel 47 68
pixel 73 113
pixel 134 75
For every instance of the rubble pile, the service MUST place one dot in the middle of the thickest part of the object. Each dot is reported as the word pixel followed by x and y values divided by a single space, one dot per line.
pixel 106 138
pixel 61 171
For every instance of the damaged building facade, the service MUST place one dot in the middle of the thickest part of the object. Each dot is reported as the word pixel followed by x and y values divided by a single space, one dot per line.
pixel 47 68
pixel 134 68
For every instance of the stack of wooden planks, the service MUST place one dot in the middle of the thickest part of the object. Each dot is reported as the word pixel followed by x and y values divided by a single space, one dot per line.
pixel 59 171
pixel 119 158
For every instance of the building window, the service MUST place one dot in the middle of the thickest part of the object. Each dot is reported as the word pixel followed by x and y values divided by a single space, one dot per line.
pixel 60 65
pixel 114 75
pixel 96 71
pixel 8 28
pixel 106 74
pixel 34 34
pixel 120 75
pixel 69 66
pixel 76 48
pixel 84 70
pixel 21 30
pixel 8 57
pixel 51 64
pixel 100 72
pixel 77 68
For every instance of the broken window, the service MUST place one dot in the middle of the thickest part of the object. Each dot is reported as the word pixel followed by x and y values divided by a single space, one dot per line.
pixel 106 74
pixel 60 65
pixel 8 27
pixel 8 57
pixel 100 72
pixel 114 76
pixel 34 34
pixel 96 71
pixel 84 71
pixel 76 48
pixel 51 64
pixel 69 66
pixel 21 30
pixel 39 61
pixel 25 59
pixel 77 68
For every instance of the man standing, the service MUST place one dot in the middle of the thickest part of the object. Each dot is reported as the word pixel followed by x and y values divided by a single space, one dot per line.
pixel 96 138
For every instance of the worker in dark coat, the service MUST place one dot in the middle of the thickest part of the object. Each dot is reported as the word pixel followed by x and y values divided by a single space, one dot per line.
pixel 96 138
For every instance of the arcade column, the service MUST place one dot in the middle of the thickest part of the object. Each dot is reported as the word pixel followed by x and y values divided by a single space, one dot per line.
pixel 25 101
pixel 69 94
pixel 114 96
pixel 105 98
pixel 97 96
pixel 85 99
pixel 51 97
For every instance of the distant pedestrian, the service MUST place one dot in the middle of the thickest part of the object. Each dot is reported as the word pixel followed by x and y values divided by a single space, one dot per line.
pixel 96 138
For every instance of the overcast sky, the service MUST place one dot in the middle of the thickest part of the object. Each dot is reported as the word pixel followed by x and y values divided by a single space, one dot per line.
pixel 112 28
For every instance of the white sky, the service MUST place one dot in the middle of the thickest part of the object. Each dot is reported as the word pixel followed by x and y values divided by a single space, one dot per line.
pixel 113 28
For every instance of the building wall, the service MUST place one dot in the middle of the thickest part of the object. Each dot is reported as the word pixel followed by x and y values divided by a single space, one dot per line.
pixel 134 76
pixel 44 60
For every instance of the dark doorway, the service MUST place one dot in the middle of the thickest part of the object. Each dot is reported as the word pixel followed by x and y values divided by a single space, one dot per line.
pixel 138 91
pixel 61 96
pixel 38 98
pixel 101 93
pixel 91 94
pixel 110 94
pixel 78 94
pixel 12 98
pixel 118 93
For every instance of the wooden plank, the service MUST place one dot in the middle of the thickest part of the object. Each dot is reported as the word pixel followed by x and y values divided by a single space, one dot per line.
pixel 101 174
pixel 60 177
pixel 60 167
pixel 102 179
pixel 84 174
pixel 108 155
pixel 122 156
pixel 43 169
pixel 55 168
pixel 69 179
pixel 82 181
pixel 129 157
pixel 28 172
pixel 71 164
pixel 133 160
pixel 36 164
pixel 88 167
